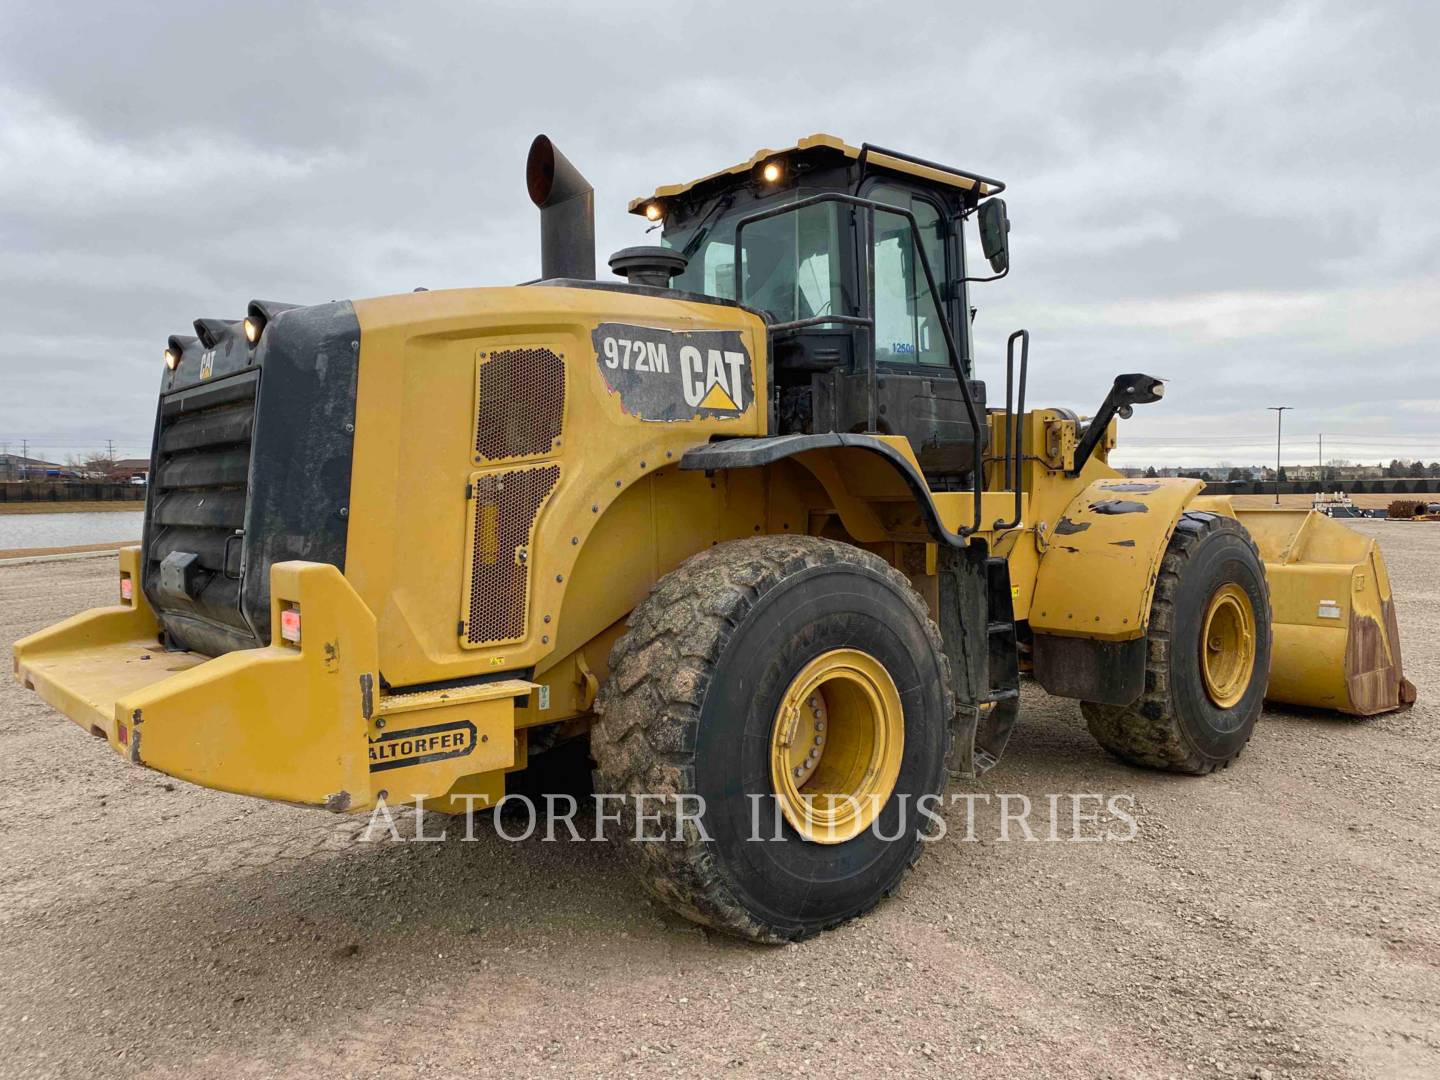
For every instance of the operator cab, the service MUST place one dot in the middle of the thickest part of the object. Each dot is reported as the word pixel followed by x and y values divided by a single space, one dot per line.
pixel 834 245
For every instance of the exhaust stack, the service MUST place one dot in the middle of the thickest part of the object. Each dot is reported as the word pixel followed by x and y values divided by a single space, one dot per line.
pixel 567 212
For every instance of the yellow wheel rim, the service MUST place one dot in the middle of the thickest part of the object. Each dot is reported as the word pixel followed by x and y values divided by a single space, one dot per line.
pixel 1227 645
pixel 836 745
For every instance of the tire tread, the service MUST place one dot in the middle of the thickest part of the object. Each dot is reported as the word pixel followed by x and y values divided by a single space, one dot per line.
pixel 1147 733
pixel 648 712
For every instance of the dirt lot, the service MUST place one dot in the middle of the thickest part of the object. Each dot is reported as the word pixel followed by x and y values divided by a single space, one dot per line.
pixel 1279 919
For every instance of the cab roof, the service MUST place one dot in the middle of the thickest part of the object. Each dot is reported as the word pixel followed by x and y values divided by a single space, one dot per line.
pixel 820 145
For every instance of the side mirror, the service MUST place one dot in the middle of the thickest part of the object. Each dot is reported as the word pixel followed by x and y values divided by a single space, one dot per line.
pixel 995 234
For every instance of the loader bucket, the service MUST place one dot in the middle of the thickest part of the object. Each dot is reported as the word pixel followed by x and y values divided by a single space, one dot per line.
pixel 1336 641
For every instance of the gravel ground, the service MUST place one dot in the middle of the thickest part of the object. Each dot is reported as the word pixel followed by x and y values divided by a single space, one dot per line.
pixel 1279 919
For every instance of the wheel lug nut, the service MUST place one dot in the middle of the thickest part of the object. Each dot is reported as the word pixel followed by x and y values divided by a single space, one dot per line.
pixel 818 740
pixel 819 725
pixel 799 772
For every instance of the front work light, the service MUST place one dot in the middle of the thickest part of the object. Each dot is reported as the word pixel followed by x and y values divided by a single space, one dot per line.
pixel 653 211
pixel 172 358
pixel 771 172
pixel 254 325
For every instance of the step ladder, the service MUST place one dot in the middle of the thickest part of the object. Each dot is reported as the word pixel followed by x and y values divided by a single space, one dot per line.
pixel 999 701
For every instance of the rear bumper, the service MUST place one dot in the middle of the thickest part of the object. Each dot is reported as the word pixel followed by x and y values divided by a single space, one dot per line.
pixel 301 724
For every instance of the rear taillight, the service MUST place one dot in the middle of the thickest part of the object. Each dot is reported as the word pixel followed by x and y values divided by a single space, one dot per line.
pixel 290 625
pixel 127 589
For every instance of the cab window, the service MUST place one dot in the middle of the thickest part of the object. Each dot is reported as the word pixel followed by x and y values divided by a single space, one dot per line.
pixel 711 269
pixel 907 323
pixel 790 264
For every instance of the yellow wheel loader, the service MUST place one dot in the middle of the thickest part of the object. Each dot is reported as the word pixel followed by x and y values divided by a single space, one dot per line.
pixel 742 519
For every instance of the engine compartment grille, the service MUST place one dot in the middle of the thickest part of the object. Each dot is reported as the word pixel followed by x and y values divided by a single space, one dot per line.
pixel 519 403
pixel 504 506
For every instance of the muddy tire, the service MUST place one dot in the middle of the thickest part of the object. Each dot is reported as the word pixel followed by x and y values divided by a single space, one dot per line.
pixel 1196 714
pixel 691 709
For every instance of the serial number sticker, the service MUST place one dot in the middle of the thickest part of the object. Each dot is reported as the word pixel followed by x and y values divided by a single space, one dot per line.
pixel 397 749
pixel 675 375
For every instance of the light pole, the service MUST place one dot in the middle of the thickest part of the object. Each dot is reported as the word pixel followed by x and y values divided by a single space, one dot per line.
pixel 1279 411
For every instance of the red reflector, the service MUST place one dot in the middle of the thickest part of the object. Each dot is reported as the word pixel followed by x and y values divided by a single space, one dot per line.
pixel 127 589
pixel 290 624
pixel 124 733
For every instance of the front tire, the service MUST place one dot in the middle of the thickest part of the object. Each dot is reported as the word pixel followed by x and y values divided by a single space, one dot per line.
pixel 1207 655
pixel 715 693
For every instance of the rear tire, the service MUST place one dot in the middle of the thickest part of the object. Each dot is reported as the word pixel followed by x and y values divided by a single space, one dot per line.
pixel 692 707
pixel 1195 715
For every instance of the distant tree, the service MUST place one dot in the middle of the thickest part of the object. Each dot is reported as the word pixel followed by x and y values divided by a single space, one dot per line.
pixel 1395 468
pixel 96 464
pixel 1281 475
pixel 1417 470
pixel 1206 477
pixel 1150 472
pixel 1237 474
pixel 1435 468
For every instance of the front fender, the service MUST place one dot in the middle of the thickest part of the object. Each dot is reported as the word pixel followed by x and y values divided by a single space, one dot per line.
pixel 1094 585
pixel 1097 573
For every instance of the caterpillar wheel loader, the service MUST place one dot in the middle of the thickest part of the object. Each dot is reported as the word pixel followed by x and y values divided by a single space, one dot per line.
pixel 744 518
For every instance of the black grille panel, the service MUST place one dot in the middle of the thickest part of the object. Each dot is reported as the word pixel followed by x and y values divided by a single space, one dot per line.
pixel 505 505
pixel 198 492
pixel 519 403
pixel 250 467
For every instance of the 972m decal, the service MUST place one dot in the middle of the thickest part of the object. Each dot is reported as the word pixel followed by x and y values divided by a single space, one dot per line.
pixel 670 375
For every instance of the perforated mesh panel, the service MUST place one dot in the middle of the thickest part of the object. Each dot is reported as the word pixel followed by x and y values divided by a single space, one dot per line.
pixel 505 505
pixel 520 403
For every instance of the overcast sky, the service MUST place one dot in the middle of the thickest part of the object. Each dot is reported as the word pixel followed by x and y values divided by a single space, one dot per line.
pixel 1240 198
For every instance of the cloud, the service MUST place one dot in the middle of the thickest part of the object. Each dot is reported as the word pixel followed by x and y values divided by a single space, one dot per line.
pixel 1405 313
pixel 50 164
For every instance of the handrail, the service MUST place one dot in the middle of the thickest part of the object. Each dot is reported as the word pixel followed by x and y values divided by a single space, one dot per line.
pixel 1014 412
pixel 866 149
pixel 867 319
